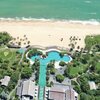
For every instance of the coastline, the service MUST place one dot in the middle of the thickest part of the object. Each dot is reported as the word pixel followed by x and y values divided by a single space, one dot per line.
pixel 84 22
pixel 49 32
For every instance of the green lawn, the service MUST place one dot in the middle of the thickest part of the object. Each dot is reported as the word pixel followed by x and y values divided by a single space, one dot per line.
pixel 98 66
pixel 75 70
pixel 92 40
pixel 7 54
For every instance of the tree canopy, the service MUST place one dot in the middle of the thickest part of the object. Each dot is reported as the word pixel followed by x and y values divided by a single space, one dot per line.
pixel 4 38
pixel 26 73
pixel 59 78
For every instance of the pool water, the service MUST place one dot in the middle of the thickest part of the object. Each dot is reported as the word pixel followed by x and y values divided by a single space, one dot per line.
pixel 41 93
pixel 53 55
pixel 21 50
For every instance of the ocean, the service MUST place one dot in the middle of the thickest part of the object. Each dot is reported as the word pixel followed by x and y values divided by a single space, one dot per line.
pixel 76 10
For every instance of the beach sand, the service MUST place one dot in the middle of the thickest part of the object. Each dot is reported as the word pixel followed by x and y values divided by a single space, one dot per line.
pixel 49 33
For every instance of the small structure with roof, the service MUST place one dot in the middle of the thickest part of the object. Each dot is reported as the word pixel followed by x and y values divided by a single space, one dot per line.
pixel 92 85
pixel 5 81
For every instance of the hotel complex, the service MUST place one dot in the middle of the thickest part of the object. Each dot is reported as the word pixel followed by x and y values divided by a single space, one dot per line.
pixel 27 90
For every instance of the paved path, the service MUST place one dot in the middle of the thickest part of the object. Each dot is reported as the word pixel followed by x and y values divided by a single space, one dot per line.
pixel 10 94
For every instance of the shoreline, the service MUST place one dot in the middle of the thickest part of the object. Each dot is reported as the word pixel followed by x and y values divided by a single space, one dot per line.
pixel 49 33
pixel 83 22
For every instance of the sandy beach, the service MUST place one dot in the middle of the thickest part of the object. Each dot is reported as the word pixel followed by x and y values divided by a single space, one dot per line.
pixel 49 33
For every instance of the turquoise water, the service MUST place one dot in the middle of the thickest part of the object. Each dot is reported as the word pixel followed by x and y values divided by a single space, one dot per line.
pixel 21 50
pixel 51 9
pixel 53 55
pixel 41 93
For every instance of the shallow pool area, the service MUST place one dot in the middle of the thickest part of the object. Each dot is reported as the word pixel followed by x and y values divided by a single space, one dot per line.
pixel 21 50
pixel 52 55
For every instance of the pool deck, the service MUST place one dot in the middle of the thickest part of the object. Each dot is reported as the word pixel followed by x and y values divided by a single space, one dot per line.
pixel 49 50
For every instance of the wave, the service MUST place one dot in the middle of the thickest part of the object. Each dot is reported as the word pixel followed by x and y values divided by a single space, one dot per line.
pixel 91 22
pixel 84 22
pixel 25 19
pixel 93 13
pixel 87 1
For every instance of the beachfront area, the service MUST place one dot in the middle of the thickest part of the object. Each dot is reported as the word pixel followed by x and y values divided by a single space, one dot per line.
pixel 49 33
pixel 45 64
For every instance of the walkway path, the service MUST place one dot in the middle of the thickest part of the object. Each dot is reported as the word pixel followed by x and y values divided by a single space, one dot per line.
pixel 23 53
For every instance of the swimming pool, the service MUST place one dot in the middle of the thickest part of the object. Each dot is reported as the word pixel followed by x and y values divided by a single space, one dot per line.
pixel 52 55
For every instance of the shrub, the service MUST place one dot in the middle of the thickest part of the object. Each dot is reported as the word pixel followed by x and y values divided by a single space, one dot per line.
pixel 52 71
pixel 61 54
pixel 62 63
pixel 59 78
pixel 26 73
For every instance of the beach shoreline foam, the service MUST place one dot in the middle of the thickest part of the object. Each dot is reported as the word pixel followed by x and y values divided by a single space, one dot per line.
pixel 49 32
pixel 84 22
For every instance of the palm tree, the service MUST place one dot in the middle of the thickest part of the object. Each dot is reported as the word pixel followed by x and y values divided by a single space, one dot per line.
pixel 72 45
pixel 75 42
pixel 24 43
pixel 78 47
pixel 28 42
pixel 74 38
pixel 69 45
pixel 20 39
pixel 24 35
pixel 77 38
pixel 26 38
pixel 19 43
pixel 11 42
pixel 17 37
pixel 14 39
pixel 70 37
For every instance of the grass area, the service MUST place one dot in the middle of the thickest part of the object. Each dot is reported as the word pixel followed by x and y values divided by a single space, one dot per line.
pixel 98 66
pixel 74 70
pixel 78 69
pixel 13 94
pixel 92 40
pixel 9 57
pixel 7 54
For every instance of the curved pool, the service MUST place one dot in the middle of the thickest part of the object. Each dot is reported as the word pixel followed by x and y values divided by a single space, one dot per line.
pixel 52 55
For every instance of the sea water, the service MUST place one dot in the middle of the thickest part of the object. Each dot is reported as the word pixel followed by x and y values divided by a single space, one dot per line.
pixel 51 9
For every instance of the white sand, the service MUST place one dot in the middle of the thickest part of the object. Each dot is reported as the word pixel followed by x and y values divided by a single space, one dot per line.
pixel 49 33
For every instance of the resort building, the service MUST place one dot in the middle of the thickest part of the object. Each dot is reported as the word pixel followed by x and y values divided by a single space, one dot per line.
pixel 5 81
pixel 61 92
pixel 27 90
